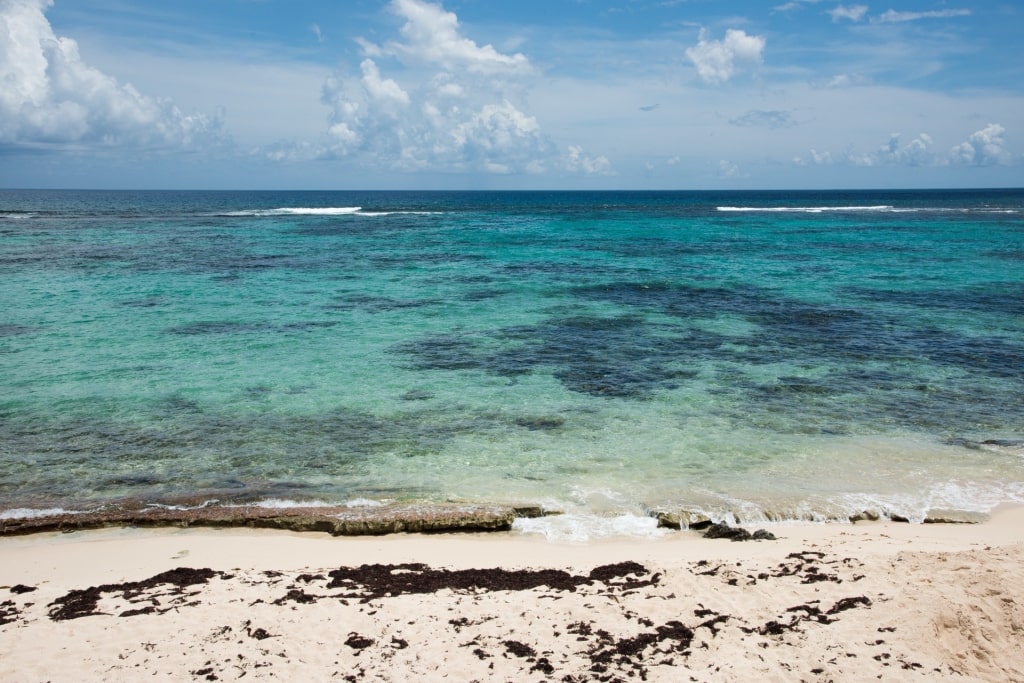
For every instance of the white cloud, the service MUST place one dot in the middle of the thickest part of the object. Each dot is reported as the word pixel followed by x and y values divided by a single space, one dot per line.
pixel 576 159
pixel 382 90
pixel 846 80
pixel 727 169
pixel 918 152
pixel 853 12
pixel 51 97
pixel 985 147
pixel 455 108
pixel 432 35
pixel 717 60
pixel 794 4
pixel 821 158
pixel 892 16
pixel 500 139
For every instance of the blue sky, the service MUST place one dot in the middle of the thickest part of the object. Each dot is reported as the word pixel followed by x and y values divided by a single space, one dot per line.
pixel 479 94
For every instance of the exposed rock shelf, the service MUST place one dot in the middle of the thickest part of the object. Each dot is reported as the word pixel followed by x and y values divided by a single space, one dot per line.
pixel 337 521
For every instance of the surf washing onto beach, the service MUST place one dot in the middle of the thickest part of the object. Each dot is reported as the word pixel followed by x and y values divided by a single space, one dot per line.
pixel 744 357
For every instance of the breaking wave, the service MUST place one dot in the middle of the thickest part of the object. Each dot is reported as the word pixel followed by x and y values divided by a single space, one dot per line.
pixel 318 211
pixel 882 208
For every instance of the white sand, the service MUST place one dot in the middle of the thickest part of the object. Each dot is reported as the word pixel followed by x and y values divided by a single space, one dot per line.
pixel 878 601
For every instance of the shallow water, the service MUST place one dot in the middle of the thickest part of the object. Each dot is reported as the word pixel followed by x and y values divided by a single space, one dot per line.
pixel 770 354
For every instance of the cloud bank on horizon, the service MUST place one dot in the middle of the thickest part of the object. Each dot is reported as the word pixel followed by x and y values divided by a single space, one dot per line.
pixel 424 93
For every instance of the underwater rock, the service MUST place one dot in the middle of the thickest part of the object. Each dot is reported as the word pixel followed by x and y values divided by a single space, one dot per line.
pixel 417 395
pixel 1004 443
pixel 542 422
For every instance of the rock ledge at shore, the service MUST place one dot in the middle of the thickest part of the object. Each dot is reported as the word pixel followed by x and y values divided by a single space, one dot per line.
pixel 337 521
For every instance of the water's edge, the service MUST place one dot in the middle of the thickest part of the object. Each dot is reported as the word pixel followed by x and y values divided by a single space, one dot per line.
pixel 378 520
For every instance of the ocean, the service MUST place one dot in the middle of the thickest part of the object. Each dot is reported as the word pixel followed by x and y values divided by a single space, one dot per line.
pixel 747 355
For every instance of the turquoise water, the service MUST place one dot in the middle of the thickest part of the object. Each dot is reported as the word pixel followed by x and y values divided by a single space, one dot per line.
pixel 779 354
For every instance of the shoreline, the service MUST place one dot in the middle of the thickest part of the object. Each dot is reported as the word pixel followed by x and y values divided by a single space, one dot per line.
pixel 268 548
pixel 377 519
pixel 825 601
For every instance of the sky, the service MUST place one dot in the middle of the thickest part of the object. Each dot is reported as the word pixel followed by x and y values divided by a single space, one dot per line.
pixel 482 94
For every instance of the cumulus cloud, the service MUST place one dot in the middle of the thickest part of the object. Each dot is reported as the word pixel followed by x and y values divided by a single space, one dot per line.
pixel 50 97
pixel 985 147
pixel 455 107
pixel 853 12
pixel 819 158
pixel 729 170
pixel 382 90
pixel 717 61
pixel 917 152
pixel 892 16
pixel 576 159
pixel 432 35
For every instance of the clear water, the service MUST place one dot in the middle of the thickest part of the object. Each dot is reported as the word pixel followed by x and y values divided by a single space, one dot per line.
pixel 779 354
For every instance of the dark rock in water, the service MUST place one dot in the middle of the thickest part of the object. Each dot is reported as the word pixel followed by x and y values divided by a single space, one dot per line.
pixel 931 517
pixel 543 422
pixel 229 484
pixel 1005 443
pixel 533 512
pixel 137 479
pixel 979 445
pixel 964 443
pixel 417 395
pixel 735 533
pixel 7 330
pixel 19 589
pixel 865 515
pixel 669 520
pixel 684 519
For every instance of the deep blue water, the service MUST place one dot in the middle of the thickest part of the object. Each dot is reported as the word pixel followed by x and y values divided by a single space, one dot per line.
pixel 776 353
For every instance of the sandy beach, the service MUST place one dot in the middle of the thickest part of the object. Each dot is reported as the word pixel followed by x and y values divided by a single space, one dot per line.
pixel 827 602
